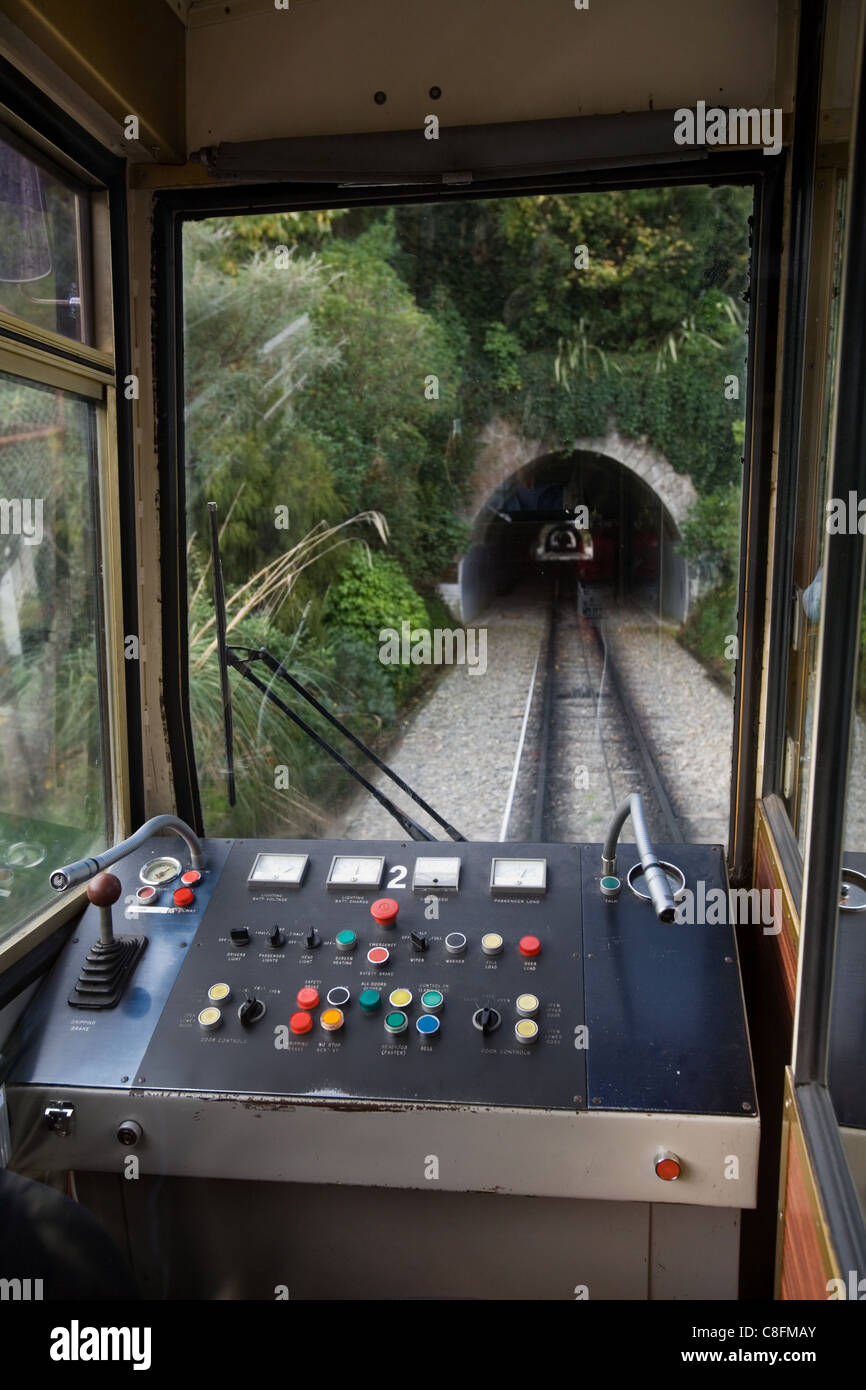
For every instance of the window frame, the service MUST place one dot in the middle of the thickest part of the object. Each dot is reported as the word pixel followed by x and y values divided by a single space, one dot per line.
pixel 174 207
pixel 838 655
pixel 44 357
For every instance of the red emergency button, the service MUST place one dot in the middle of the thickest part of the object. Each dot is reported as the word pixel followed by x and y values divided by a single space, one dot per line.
pixel 385 911
pixel 667 1166
pixel 530 946
pixel 183 897
pixel 191 877
pixel 301 1023
pixel 308 998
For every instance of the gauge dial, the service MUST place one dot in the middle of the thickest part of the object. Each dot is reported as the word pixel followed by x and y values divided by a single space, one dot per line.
pixel 278 870
pixel 518 877
pixel 159 871
pixel 441 875
pixel 355 871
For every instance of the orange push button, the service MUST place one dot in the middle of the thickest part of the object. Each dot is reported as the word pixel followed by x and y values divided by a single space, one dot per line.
pixel 667 1166
pixel 385 910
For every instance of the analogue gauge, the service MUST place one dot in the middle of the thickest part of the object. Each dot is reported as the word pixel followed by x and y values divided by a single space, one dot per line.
pixel 159 871
pixel 438 875
pixel 518 877
pixel 278 870
pixel 355 871
pixel 26 854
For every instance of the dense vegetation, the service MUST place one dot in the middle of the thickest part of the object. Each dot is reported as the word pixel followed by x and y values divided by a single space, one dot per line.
pixel 340 364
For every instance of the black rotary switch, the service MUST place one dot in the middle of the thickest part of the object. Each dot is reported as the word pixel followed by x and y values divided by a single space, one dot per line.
pixel 278 937
pixel 419 940
pixel 486 1020
pixel 250 1011
pixel 312 939
pixel 240 936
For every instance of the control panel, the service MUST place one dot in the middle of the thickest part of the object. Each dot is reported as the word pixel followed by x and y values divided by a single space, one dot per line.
pixel 390 978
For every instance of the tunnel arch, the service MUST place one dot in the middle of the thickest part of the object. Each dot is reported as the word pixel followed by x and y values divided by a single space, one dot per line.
pixel 636 502
pixel 504 450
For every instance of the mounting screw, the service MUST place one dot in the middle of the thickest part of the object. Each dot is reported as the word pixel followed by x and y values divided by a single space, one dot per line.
pixel 380 98
pixel 435 93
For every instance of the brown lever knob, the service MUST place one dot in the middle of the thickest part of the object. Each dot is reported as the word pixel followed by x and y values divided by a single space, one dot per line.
pixel 104 890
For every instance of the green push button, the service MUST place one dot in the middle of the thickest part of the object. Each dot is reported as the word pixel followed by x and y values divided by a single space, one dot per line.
pixel 396 1022
pixel 432 1000
pixel 369 1000
pixel 347 940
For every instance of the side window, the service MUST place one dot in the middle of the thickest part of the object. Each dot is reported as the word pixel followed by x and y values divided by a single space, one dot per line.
pixel 811 515
pixel 53 798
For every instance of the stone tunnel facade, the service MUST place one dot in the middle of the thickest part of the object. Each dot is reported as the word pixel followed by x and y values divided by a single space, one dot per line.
pixel 504 450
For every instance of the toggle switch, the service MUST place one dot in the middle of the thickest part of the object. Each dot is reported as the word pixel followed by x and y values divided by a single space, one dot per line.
pixel 251 1011
pixel 486 1020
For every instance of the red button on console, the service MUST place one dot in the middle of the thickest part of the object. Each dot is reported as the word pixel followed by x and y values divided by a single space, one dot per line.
pixel 530 946
pixel 308 998
pixel 183 897
pixel 385 911
pixel 379 955
pixel 301 1023
pixel 667 1166
pixel 190 877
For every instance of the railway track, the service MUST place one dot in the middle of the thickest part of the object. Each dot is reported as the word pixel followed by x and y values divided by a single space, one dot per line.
pixel 590 748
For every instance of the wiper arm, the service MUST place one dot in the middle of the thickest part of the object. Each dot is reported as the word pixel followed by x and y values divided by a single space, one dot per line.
pixel 279 670
pixel 411 827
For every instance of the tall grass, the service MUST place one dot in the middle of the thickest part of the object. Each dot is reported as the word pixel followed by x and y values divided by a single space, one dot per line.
pixel 283 780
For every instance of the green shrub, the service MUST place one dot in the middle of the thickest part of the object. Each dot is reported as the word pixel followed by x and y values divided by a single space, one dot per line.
pixel 372 594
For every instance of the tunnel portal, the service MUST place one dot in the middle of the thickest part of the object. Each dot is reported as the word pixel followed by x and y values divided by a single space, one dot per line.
pixel 584 516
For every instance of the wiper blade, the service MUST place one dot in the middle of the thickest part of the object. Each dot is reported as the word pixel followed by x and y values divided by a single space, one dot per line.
pixel 279 670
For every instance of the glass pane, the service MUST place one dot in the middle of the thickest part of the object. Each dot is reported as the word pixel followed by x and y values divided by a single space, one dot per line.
pixel 847 1074
pixel 42 251
pixel 52 806
pixel 808 548
pixel 479 468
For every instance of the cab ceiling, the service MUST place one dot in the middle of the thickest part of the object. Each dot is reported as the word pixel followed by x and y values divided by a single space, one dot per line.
pixel 256 72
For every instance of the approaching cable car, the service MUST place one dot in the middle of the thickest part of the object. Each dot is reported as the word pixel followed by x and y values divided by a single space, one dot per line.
pixel 335 378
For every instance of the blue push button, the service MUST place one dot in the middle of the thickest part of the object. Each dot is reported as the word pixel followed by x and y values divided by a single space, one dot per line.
pixel 428 1025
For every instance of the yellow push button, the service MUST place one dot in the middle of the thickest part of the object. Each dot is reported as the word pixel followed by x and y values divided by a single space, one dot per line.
pixel 400 998
pixel 526 1031
pixel 492 943
pixel 527 1004
pixel 218 994
pixel 209 1019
